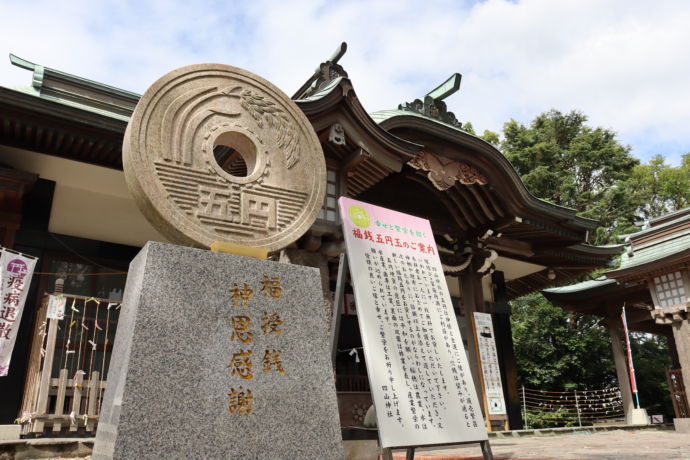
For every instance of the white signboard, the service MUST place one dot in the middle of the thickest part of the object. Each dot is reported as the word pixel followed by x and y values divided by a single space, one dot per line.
pixel 488 357
pixel 56 307
pixel 420 380
pixel 15 275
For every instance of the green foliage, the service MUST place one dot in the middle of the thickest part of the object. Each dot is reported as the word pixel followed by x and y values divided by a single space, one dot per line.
pixel 657 188
pixel 560 351
pixel 557 350
pixel 467 126
pixel 492 138
pixel 651 355
pixel 489 136
pixel 537 419
pixel 563 160
pixel 566 162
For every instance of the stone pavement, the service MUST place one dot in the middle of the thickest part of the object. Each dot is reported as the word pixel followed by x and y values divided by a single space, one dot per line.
pixel 581 445
pixel 643 444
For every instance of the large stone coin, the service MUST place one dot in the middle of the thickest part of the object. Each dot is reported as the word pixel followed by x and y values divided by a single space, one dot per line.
pixel 216 153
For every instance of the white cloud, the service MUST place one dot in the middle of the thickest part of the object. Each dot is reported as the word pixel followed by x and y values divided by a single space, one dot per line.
pixel 623 63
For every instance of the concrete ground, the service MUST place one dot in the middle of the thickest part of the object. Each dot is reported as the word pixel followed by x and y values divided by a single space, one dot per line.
pixel 585 445
pixel 642 443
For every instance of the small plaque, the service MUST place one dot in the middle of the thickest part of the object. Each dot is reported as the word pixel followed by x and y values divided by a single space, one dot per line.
pixel 56 307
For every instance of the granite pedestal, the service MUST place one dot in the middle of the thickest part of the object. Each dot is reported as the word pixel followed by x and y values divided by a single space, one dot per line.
pixel 682 425
pixel 10 432
pixel 183 364
pixel 638 417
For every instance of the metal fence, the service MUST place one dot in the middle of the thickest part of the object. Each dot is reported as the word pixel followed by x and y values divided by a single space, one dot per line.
pixel 547 409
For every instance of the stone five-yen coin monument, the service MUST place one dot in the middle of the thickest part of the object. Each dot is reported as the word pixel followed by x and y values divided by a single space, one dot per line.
pixel 219 355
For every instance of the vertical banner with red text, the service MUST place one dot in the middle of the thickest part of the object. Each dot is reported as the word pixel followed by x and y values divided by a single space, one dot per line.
pixel 15 275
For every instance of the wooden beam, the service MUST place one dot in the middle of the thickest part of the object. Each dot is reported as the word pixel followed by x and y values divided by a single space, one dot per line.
pixel 637 315
pixel 354 159
pixel 510 246
pixel 333 248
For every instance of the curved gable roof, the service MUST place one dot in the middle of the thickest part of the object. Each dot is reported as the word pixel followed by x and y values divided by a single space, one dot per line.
pixel 484 156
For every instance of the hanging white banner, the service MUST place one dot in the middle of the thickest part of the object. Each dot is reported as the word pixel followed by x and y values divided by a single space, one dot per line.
pixel 16 271
pixel 488 357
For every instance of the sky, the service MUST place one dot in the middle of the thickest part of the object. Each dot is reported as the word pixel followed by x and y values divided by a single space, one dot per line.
pixel 624 63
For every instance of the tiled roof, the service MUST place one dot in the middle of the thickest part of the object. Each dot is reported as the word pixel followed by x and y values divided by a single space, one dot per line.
pixel 73 91
pixel 579 287
pixel 656 250
pixel 684 216
pixel 323 91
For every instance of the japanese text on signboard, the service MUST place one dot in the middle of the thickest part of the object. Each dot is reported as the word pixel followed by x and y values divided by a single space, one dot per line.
pixel 416 363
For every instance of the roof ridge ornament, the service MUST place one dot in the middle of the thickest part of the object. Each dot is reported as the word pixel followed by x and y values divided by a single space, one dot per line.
pixel 433 106
pixel 324 74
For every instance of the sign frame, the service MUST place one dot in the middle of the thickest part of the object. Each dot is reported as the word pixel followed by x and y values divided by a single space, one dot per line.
pixel 502 417
pixel 346 261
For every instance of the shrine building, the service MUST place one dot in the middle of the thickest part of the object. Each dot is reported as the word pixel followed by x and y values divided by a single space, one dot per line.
pixel 652 282
pixel 64 200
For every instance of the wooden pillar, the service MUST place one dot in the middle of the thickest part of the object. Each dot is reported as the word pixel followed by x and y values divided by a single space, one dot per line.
pixel 506 352
pixel 681 335
pixel 619 357
pixel 13 185
pixel 673 350
pixel 472 300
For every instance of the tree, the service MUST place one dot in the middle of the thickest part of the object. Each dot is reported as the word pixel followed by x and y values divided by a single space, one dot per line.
pixel 651 355
pixel 562 160
pixel 489 136
pixel 555 350
pixel 492 138
pixel 566 162
pixel 676 184
pixel 657 188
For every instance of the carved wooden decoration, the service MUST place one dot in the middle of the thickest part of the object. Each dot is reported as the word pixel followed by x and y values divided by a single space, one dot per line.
pixel 443 173
pixel 215 153
pixel 336 135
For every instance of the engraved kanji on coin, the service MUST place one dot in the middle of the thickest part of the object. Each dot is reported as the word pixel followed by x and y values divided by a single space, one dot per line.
pixel 216 153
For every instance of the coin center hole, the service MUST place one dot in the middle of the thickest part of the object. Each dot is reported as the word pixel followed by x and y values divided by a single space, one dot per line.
pixel 235 153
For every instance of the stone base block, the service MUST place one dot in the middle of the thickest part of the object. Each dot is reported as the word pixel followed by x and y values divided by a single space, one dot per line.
pixel 361 450
pixel 219 356
pixel 682 425
pixel 10 432
pixel 638 417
